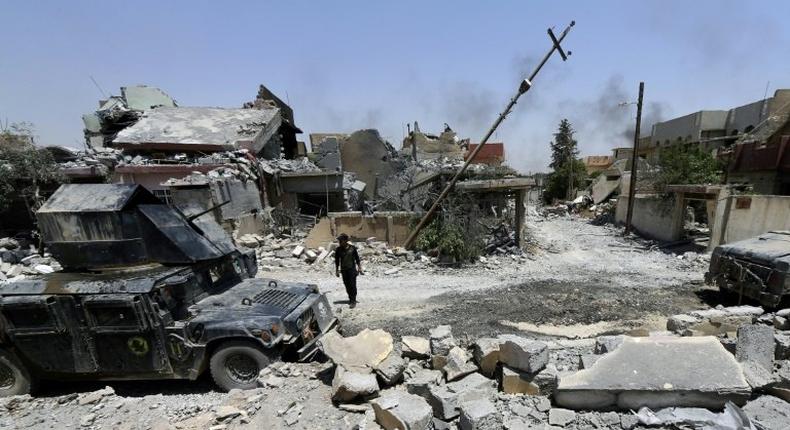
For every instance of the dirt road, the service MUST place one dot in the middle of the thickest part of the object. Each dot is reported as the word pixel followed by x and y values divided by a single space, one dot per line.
pixel 578 280
pixel 576 274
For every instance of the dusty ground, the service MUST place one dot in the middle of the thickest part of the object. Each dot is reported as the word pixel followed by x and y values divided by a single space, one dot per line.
pixel 576 274
pixel 579 280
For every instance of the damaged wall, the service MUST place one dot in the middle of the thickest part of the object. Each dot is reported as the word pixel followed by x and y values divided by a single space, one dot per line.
pixel 392 227
pixel 751 216
pixel 369 156
pixel 654 216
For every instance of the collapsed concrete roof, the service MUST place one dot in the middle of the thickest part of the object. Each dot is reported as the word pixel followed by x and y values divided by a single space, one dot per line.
pixel 202 128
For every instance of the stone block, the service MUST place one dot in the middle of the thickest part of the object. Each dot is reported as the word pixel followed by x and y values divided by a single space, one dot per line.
pixel 755 350
pixel 514 381
pixel 782 346
pixel 365 350
pixel 390 371
pixel 524 354
pixel 415 347
pixel 486 355
pixel 446 399
pixel 479 415
pixel 403 411
pixel 657 372
pixel 438 362
pixel 459 364
pixel 422 380
pixel 441 340
pixel 756 344
pixel 351 385
pixel 781 323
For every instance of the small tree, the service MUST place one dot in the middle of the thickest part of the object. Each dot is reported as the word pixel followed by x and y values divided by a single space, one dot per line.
pixel 564 162
pixel 24 168
pixel 687 165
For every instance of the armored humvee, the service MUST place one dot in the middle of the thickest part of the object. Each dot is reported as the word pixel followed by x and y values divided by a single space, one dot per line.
pixel 147 293
pixel 757 268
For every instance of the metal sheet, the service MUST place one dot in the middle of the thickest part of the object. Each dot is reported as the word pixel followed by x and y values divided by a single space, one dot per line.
pixel 177 230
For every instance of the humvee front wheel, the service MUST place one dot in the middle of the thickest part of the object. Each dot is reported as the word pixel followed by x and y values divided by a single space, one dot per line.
pixel 14 378
pixel 236 364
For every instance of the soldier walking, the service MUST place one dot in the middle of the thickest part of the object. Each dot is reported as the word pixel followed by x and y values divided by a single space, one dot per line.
pixel 348 264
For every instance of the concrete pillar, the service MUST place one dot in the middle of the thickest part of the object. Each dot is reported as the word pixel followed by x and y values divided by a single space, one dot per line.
pixel 679 216
pixel 521 211
pixel 718 226
pixel 391 231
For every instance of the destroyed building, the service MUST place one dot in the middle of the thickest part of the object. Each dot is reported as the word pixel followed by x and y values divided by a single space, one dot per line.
pixel 425 146
pixel 118 112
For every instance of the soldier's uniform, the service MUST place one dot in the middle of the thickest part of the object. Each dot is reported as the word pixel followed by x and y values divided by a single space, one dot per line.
pixel 347 260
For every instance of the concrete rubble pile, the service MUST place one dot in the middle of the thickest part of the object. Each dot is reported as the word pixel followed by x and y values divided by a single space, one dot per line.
pixel 288 250
pixel 19 259
pixel 668 379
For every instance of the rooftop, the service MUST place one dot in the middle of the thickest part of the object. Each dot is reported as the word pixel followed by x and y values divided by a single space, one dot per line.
pixel 200 128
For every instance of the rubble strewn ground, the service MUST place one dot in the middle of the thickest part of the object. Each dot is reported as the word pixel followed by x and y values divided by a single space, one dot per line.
pixel 577 282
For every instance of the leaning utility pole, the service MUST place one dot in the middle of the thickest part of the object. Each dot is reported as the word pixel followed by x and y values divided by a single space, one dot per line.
pixel 634 161
pixel 523 88
pixel 571 160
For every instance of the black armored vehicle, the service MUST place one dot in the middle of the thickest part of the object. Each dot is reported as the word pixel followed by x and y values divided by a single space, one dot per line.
pixel 757 268
pixel 147 292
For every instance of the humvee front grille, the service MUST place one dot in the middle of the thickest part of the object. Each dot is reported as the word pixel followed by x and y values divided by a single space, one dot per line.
pixel 279 298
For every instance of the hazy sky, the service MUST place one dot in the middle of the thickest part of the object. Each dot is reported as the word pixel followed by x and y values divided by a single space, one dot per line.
pixel 346 65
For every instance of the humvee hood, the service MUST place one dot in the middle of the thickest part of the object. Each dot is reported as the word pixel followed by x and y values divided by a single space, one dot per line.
pixel 256 297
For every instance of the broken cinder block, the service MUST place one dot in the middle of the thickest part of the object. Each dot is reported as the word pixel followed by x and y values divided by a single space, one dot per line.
pixel 401 410
pixel 458 364
pixel 524 354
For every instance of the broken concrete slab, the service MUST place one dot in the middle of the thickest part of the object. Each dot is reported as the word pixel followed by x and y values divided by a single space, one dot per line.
pixel 415 347
pixel 459 364
pixel 390 371
pixel 446 399
pixel 349 385
pixel 403 411
pixel 657 372
pixel 479 415
pixel 297 252
pixel 441 340
pixel 365 350
pixel 713 321
pixel 524 354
